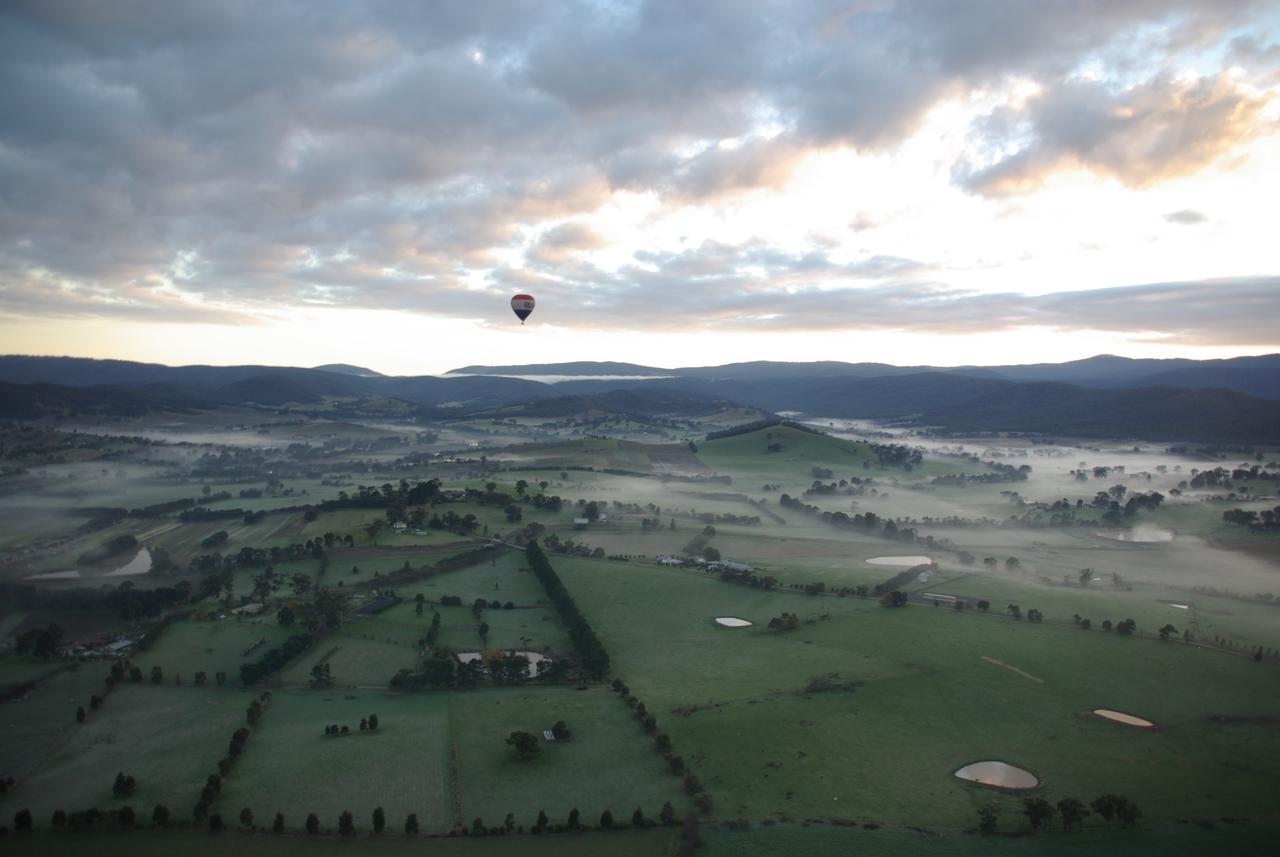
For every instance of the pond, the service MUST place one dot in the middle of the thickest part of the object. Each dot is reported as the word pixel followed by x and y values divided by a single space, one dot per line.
pixel 140 564
pixel 54 575
pixel 999 774
pixel 1121 717
pixel 900 561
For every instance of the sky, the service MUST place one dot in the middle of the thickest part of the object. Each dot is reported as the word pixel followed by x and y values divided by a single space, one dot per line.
pixel 936 182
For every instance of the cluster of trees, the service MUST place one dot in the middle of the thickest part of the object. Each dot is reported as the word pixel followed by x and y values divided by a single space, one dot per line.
pixel 1000 473
pixel 591 653
pixel 158 510
pixel 321 676
pixel 203 513
pixel 697 546
pixel 367 724
pixel 524 745
pixel 125 817
pixel 441 670
pixel 124 785
pixel 1264 521
pixel 39 642
pixel 401 495
pixel 132 603
pixel 568 547
pixel 746 577
pixel 1072 811
pixel 785 622
pixel 900 579
pixel 248 557
pixel 543 825
pixel 1220 477
pixel 274 659
pixel 118 545
pixel 869 521
pixel 896 455
pixel 217 539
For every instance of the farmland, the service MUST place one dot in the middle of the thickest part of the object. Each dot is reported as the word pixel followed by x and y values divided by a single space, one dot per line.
pixel 848 716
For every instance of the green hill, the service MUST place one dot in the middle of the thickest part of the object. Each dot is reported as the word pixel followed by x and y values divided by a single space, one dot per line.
pixel 783 447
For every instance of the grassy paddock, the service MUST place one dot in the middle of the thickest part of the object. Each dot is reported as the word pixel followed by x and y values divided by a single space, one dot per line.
pixel 168 738
pixel 649 843
pixel 931 702
pixel 821 840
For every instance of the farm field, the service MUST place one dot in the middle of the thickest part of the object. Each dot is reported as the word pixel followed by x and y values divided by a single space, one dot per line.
pixel 405 765
pixel 168 738
pixel 767 747
pixel 659 842
pixel 859 715
pixel 191 646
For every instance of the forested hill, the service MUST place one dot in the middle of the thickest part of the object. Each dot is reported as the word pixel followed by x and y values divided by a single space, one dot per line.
pixel 580 367
pixel 1256 376
pixel 34 387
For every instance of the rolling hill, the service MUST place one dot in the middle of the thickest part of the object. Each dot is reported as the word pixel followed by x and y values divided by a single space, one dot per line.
pixel 1121 399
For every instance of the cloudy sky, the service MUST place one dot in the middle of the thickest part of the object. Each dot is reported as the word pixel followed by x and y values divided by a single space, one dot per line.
pixel 678 183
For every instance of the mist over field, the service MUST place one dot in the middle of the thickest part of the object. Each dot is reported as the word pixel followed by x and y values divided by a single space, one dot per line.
pixel 639 427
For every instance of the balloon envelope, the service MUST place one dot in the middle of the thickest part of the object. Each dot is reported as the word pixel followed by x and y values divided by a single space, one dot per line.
pixel 522 305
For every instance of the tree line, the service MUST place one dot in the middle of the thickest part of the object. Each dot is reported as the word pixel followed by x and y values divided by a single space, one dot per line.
pixel 591 652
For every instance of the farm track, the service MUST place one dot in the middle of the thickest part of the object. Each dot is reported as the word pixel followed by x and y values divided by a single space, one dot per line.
pixel 992 660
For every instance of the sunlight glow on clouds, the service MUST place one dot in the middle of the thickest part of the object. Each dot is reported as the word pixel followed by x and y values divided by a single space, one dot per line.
pixel 908 181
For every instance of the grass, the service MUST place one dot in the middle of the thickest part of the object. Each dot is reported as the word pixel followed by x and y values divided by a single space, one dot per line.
pixel 358 655
pixel 405 765
pixel 819 840
pixel 650 843
pixel 921 695
pixel 187 647
pixel 17 670
pixel 168 738
pixel 930 703
pixel 609 762
pixel 40 722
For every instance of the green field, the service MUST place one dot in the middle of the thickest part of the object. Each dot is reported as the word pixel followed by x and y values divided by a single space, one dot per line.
pixel 405 766
pixel 930 703
pixel 185 648
pixel 659 842
pixel 168 738
pixel 838 736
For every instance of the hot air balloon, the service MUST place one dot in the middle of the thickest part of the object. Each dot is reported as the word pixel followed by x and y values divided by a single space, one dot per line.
pixel 522 305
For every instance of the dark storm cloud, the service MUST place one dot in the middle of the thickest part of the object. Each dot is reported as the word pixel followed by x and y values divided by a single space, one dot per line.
pixel 159 159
